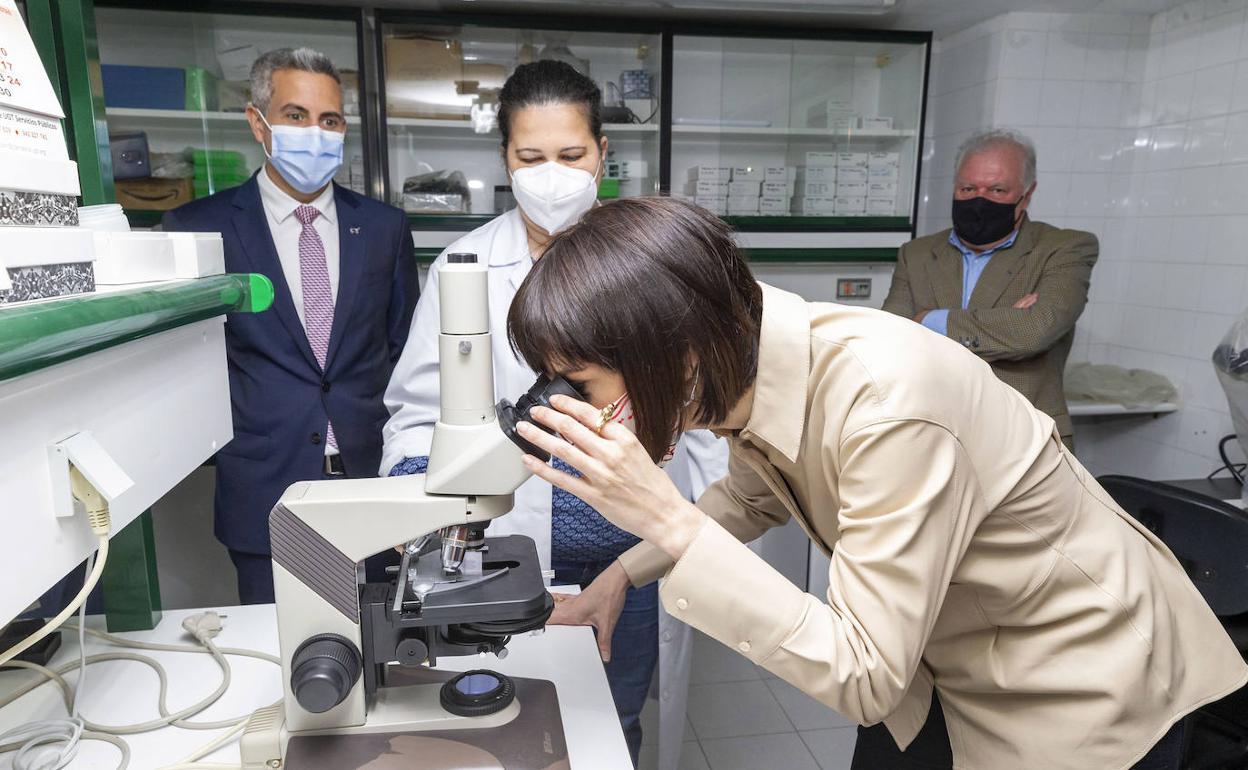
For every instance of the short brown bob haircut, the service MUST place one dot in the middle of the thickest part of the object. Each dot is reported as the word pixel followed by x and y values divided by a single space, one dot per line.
pixel 644 287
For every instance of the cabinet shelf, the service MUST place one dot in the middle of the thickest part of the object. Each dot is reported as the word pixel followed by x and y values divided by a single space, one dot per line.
pixel 464 127
pixel 771 133
pixel 173 118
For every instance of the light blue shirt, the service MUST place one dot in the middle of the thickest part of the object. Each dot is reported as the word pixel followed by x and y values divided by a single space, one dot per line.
pixel 973 265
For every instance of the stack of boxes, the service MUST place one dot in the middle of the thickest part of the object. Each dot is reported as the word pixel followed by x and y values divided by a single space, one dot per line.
pixel 742 190
pixel 883 174
pixel 42 251
pixel 848 184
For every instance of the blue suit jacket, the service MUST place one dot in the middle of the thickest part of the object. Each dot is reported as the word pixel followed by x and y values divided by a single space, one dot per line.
pixel 281 398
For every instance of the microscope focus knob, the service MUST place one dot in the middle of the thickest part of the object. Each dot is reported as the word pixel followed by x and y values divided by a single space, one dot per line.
pixel 323 671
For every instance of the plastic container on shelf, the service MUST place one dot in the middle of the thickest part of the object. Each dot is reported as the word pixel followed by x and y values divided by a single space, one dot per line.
pixel 107 217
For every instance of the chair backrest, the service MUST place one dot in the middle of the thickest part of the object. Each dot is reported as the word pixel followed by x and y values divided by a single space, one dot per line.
pixel 1208 536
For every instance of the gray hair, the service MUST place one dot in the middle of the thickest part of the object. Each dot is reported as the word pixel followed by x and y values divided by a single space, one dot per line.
pixel 982 140
pixel 303 59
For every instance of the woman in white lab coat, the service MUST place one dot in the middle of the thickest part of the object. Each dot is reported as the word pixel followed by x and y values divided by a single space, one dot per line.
pixel 553 147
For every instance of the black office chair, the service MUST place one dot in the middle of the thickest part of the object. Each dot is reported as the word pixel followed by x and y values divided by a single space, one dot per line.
pixel 1210 540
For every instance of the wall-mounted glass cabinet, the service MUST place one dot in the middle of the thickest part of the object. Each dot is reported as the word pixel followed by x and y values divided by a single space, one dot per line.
pixel 441 93
pixel 823 133
pixel 804 139
pixel 175 91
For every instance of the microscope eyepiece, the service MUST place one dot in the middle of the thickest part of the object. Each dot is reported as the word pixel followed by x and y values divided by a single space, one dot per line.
pixel 461 259
pixel 539 395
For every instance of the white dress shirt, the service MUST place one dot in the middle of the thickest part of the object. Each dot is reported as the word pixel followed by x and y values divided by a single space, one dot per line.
pixel 279 211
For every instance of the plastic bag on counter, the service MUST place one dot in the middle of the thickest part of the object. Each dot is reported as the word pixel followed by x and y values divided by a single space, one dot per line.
pixel 1230 361
pixel 437 192
pixel 172 165
pixel 1109 384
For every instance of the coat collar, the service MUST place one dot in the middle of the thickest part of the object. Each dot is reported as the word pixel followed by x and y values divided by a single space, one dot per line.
pixel 778 414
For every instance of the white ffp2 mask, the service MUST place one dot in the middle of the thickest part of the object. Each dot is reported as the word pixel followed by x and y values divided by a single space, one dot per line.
pixel 553 196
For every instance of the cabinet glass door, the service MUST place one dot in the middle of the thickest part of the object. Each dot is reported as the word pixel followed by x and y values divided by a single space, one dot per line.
pixel 441 87
pixel 798 134
pixel 175 90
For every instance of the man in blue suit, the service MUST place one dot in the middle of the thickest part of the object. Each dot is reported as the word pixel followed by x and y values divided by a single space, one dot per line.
pixel 307 376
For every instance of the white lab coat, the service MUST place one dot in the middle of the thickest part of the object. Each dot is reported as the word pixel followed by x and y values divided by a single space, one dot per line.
pixel 412 398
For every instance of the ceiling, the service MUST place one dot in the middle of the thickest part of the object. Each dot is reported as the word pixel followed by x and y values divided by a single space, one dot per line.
pixel 940 16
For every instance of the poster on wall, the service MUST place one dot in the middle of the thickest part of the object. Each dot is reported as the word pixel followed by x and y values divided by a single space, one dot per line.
pixel 24 84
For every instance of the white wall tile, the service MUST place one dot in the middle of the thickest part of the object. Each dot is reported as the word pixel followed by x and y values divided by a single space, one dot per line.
pixel 1234 188
pixel 1018 102
pixel 1100 105
pixel 1236 147
pixel 1022 54
pixel 1065 55
pixel 1212 95
pixel 1239 86
pixel 1222 288
pixel 1089 194
pixel 1180 289
pixel 1226 238
pixel 1219 39
pixel 1205 142
pixel 1166 147
pixel 1059 103
pixel 1107 57
pixel 1027 20
pixel 1055 148
pixel 1218 7
pixel 1181 51
pixel 1174 98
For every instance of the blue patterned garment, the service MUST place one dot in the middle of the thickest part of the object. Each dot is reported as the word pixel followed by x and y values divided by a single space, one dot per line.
pixel 410 466
pixel 578 533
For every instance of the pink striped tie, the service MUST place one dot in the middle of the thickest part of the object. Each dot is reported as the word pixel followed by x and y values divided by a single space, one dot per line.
pixel 318 297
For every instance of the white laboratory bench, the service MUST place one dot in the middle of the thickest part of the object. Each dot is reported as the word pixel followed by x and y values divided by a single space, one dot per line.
pixel 1079 409
pixel 126 692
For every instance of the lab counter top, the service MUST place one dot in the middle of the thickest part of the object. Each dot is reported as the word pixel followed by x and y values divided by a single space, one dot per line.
pixel 122 692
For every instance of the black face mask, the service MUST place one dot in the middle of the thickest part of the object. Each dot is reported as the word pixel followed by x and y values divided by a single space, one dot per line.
pixel 979 221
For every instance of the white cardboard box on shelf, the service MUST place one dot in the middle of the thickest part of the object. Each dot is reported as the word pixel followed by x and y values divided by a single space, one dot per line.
pixel 818 174
pixel 882 206
pixel 747 173
pixel 851 190
pixel 779 174
pixel 773 205
pixel 778 189
pixel 819 189
pixel 705 188
pixel 818 205
pixel 30 246
pixel 851 175
pixel 883 174
pixel 739 189
pixel 710 173
pixel 137 257
pixel 821 158
pixel 714 205
pixel 877 124
pixel 27 173
pixel 44 262
pixel 850 206
pixel 884 159
pixel 876 189
pixel 851 160
pixel 198 255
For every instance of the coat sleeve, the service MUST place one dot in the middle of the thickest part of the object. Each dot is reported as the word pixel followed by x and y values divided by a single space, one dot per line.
pixel 404 292
pixel 413 393
pixel 1010 334
pixel 909 503
pixel 900 299
pixel 740 502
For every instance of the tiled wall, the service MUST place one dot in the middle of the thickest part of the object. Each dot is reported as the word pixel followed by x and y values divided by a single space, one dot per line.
pixel 1141 129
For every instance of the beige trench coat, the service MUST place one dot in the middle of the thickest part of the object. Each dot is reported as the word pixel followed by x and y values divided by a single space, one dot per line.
pixel 970 552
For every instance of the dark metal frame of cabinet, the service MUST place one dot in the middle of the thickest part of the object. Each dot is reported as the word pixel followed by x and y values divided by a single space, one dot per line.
pixel 370 26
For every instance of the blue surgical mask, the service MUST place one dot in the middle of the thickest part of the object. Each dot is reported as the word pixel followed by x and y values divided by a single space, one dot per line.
pixel 306 156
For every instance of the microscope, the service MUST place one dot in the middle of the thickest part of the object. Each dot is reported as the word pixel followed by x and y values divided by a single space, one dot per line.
pixel 356 655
